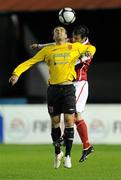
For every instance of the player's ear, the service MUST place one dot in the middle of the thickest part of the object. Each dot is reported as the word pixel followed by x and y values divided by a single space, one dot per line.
pixel 53 35
pixel 53 38
pixel 65 36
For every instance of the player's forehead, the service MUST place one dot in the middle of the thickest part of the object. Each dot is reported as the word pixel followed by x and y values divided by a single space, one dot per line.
pixel 76 34
pixel 59 28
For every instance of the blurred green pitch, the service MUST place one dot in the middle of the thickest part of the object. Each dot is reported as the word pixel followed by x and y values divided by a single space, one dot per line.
pixel 35 162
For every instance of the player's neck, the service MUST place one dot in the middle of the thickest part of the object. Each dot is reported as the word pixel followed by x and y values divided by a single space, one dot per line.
pixel 60 42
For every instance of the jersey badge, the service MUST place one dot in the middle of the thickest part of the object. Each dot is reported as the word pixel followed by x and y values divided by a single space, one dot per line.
pixel 69 47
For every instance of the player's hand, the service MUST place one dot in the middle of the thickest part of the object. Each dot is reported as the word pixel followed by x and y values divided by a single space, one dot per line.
pixel 34 46
pixel 13 79
pixel 88 54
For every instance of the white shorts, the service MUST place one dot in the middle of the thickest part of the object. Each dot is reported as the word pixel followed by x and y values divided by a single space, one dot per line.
pixel 81 95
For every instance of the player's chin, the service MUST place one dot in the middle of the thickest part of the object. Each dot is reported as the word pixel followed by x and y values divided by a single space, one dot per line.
pixel 60 38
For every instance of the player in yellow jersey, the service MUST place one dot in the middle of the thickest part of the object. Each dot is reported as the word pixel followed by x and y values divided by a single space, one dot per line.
pixel 61 59
pixel 79 34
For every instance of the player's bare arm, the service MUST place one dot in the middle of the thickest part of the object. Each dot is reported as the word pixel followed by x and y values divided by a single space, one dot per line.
pixel 40 46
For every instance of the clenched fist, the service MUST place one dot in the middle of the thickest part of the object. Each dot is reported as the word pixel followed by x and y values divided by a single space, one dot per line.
pixel 13 79
pixel 34 46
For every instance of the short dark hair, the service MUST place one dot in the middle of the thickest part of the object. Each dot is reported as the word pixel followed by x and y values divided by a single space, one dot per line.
pixel 81 30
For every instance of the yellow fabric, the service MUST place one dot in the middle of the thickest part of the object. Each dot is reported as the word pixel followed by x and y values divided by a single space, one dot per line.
pixel 60 59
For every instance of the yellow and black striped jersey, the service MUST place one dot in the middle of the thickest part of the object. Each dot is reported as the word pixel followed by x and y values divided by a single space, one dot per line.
pixel 60 59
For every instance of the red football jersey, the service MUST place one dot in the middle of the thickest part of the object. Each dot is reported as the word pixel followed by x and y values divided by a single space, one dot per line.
pixel 81 68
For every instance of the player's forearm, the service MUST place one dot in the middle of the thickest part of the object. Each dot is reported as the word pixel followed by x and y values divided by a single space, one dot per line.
pixel 46 44
pixel 40 46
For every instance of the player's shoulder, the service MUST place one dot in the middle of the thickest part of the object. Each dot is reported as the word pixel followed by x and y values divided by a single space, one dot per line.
pixel 77 44
pixel 49 47
pixel 88 43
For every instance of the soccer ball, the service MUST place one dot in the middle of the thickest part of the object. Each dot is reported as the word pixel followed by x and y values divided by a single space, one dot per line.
pixel 67 15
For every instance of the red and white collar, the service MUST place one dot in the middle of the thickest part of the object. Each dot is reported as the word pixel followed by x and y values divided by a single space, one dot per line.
pixel 86 41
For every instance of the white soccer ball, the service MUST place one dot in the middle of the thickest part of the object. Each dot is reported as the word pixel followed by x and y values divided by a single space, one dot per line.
pixel 67 15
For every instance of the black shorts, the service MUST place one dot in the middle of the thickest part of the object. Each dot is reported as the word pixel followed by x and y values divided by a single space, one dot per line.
pixel 61 99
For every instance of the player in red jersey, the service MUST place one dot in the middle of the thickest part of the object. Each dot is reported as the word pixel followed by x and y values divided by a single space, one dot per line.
pixel 80 34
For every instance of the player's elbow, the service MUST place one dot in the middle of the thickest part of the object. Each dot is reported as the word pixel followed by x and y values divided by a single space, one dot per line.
pixel 92 50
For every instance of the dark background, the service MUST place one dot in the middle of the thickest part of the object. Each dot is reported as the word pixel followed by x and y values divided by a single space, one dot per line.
pixel 17 31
